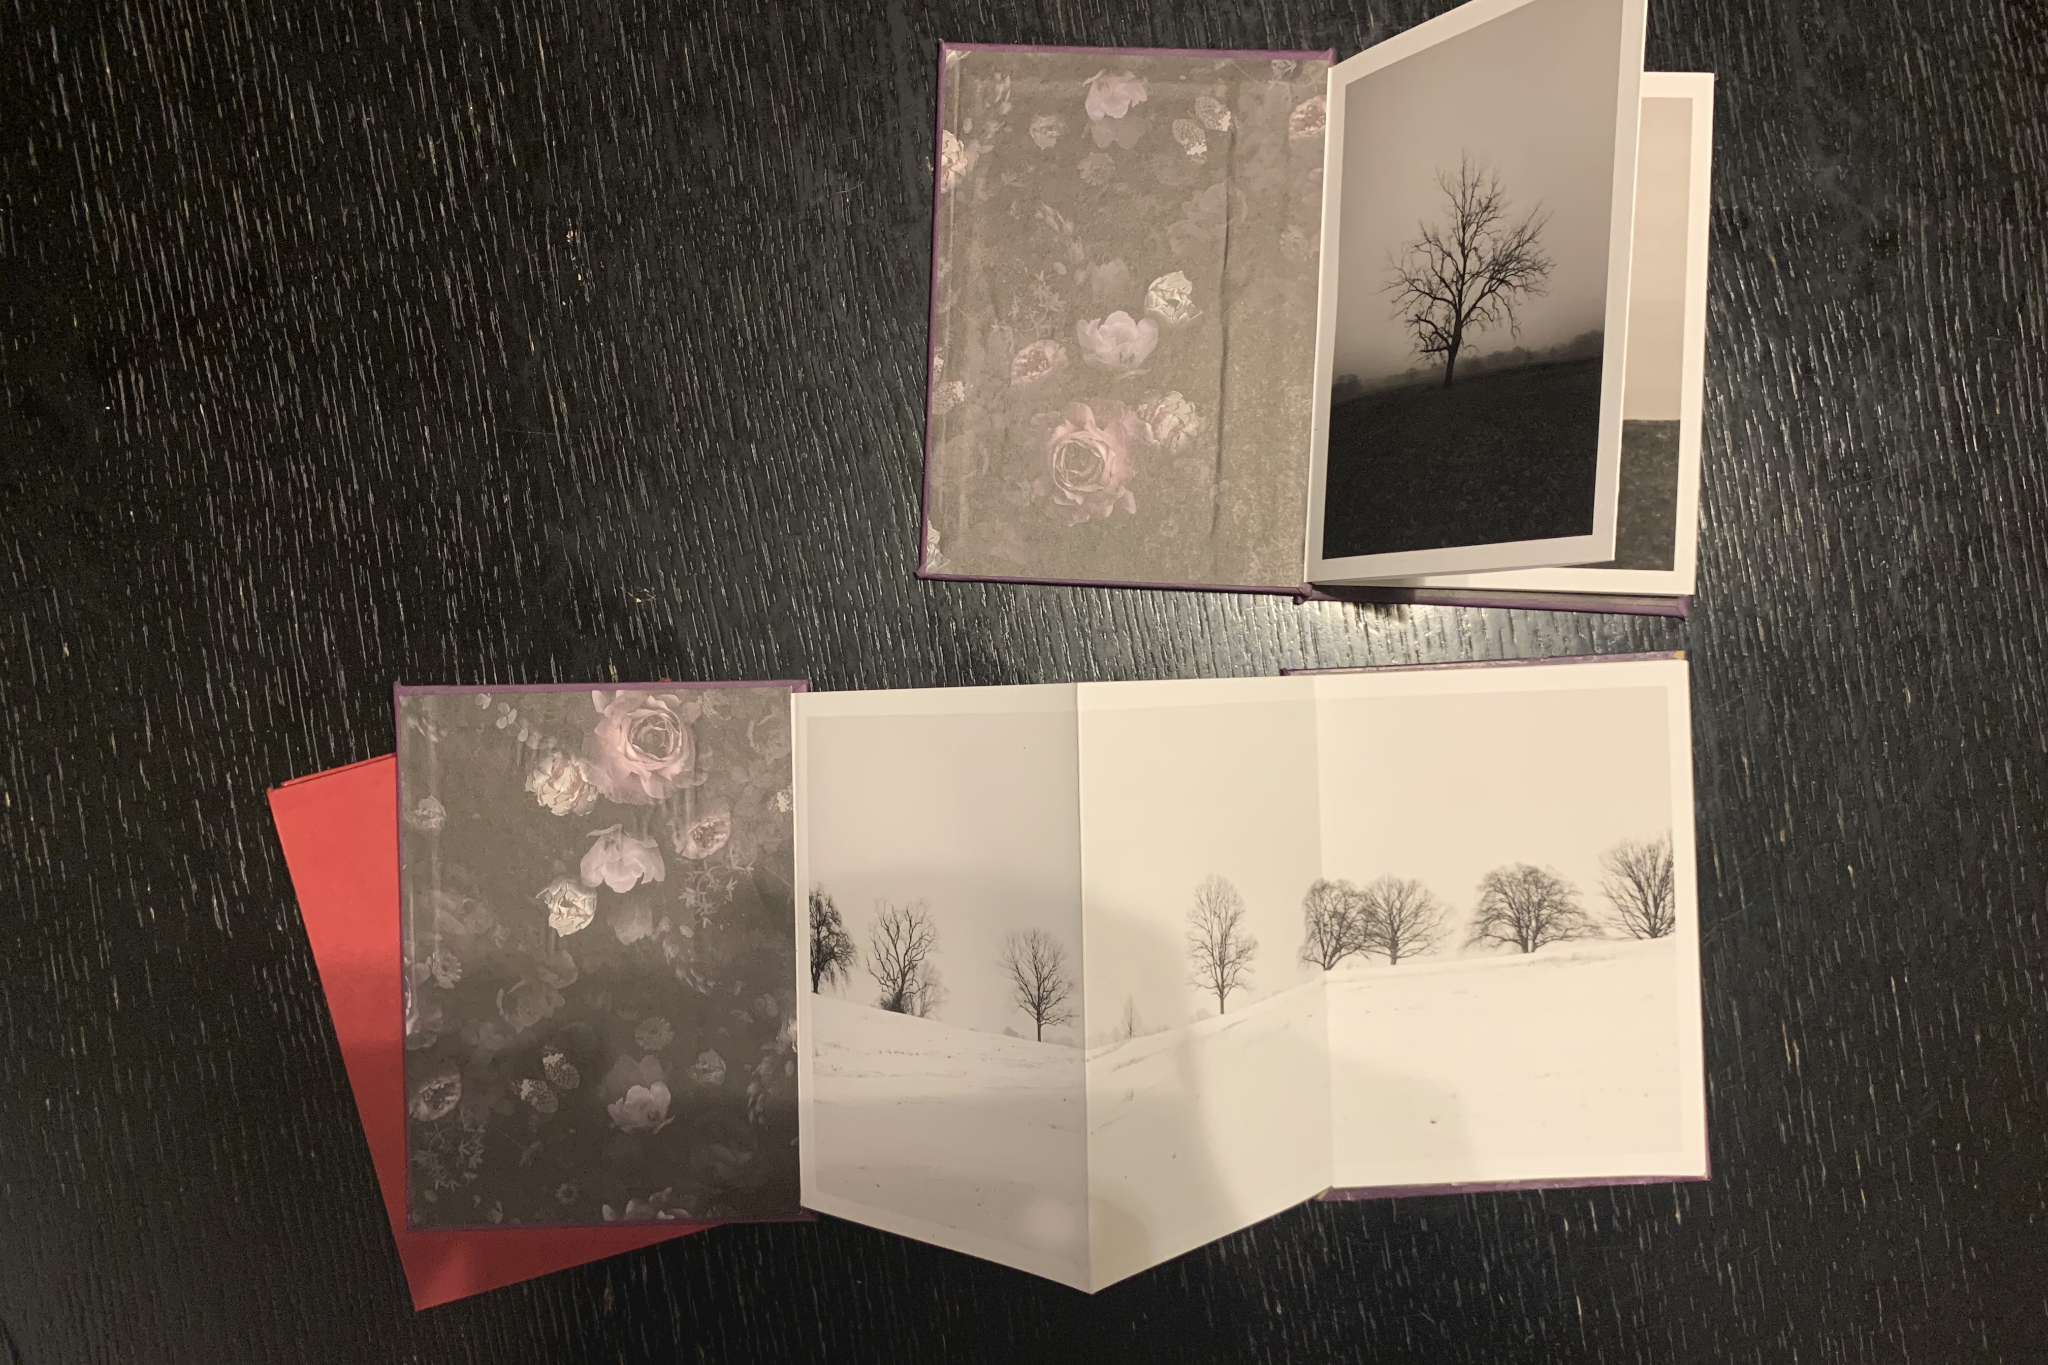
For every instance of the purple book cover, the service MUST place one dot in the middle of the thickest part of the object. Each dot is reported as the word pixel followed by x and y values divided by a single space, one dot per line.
pixel 597 911
pixel 1124 240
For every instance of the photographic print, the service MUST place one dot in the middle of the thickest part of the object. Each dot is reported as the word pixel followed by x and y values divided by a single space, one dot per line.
pixel 943 1034
pixel 1208 1069
pixel 1504 925
pixel 1482 179
pixel 1657 512
pixel 599 956
pixel 1124 241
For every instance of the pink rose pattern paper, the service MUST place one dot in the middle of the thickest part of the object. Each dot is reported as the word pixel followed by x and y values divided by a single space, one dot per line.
pixel 599 954
pixel 1124 290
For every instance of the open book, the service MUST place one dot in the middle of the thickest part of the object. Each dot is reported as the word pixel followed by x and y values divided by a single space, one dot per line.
pixel 1251 321
pixel 1090 975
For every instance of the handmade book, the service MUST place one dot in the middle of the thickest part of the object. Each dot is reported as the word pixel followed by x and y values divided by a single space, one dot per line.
pixel 1090 975
pixel 598 954
pixel 339 832
pixel 1253 321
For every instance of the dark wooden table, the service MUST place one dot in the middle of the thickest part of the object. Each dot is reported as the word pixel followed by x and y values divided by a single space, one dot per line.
pixel 458 342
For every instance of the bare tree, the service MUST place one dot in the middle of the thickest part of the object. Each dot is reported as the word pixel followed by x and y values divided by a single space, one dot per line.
pixel 1039 978
pixel 832 950
pixel 1468 273
pixel 1402 918
pixel 1333 917
pixel 1641 886
pixel 1528 907
pixel 1129 1026
pixel 1217 943
pixel 900 948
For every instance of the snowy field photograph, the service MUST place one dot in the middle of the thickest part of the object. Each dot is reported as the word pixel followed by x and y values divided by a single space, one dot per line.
pixel 1505 928
pixel 945 1094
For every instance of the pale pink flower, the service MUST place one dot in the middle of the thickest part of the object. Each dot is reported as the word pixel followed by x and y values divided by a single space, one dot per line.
pixel 633 921
pixel 1087 462
pixel 1118 341
pixel 1171 298
pixel 1111 96
pixel 1308 118
pixel 570 907
pixel 704 837
pixel 562 785
pixel 642 1105
pixel 956 158
pixel 642 748
pixel 1037 361
pixel 1046 130
pixel 1170 421
pixel 621 860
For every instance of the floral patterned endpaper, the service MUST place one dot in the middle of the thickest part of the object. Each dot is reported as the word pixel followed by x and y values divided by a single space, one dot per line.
pixel 1124 265
pixel 599 954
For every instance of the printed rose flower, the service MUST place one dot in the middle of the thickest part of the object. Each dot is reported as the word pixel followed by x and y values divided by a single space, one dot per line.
pixel 1110 281
pixel 633 921
pixel 526 1004
pixel 1037 361
pixel 562 785
pixel 1170 421
pixel 654 1034
pixel 1118 341
pixel 621 861
pixel 570 907
pixel 1111 96
pixel 1171 298
pixel 1191 138
pixel 428 816
pixel 642 748
pixel 1211 113
pixel 1087 462
pixel 644 1106
pixel 708 1069
pixel 436 1097
pixel 1046 130
pixel 704 837
pixel 1096 169
pixel 1308 118
pixel 948 396
pixel 956 158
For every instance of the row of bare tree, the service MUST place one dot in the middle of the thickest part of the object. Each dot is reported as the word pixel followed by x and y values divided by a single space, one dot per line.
pixel 901 946
pixel 1520 906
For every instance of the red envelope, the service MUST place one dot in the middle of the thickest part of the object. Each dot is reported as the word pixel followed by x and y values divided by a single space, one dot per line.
pixel 340 835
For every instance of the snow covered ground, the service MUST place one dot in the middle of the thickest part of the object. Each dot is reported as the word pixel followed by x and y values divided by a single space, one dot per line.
pixel 965 1139
pixel 1200 1131
pixel 1577 1060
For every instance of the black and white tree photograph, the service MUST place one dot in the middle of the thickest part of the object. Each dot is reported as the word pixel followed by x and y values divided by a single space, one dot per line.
pixel 1208 1075
pixel 1477 217
pixel 944 1044
pixel 1498 913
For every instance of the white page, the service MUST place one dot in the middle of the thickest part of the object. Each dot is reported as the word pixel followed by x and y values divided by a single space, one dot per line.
pixel 1667 341
pixel 1478 1062
pixel 1517 466
pixel 1205 1115
pixel 950 1128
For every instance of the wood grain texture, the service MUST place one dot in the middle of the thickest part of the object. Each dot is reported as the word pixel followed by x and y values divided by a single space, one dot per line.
pixel 451 342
